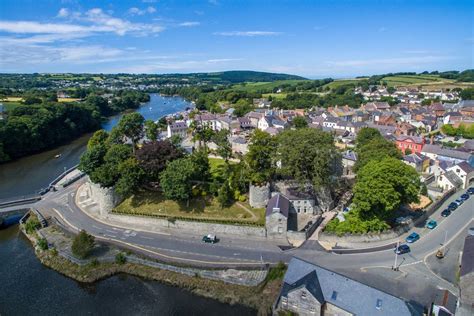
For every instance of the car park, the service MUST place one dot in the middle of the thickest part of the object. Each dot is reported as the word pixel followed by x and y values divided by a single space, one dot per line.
pixel 402 249
pixel 212 239
pixel 446 213
pixel 431 224
pixel 412 237
pixel 465 196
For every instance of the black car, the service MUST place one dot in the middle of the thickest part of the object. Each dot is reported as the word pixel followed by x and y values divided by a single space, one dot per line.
pixel 465 196
pixel 446 213
pixel 452 206
pixel 402 249
pixel 470 190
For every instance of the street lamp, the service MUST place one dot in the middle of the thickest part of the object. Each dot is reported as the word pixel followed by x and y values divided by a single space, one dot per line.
pixel 395 268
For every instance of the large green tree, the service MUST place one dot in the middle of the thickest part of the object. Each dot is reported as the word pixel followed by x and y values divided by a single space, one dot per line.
pixel 151 130
pixel 224 148
pixel 131 126
pixel 176 179
pixel 259 157
pixel 382 186
pixel 299 122
pixel 82 245
pixel 309 156
pixel 376 149
pixel 131 177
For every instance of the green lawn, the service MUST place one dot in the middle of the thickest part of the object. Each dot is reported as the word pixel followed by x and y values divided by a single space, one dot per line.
pixel 205 209
pixel 217 164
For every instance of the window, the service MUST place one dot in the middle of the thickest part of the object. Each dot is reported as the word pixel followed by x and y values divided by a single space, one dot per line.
pixel 303 295
pixel 334 295
pixel 378 305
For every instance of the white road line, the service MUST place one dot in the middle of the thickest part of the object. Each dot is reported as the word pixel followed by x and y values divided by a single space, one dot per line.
pixel 145 237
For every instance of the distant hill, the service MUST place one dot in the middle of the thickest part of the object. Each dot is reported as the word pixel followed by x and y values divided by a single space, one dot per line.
pixel 237 76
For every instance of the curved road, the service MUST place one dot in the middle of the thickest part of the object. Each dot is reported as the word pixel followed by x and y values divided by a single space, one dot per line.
pixel 239 251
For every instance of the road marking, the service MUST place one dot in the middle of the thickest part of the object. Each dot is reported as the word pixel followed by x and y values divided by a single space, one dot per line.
pixel 145 237
pixel 96 227
pixel 164 255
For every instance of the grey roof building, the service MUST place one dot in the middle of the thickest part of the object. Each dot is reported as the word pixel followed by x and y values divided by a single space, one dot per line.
pixel 309 289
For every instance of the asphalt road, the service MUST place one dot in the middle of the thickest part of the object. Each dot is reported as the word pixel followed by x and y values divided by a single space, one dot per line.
pixel 239 251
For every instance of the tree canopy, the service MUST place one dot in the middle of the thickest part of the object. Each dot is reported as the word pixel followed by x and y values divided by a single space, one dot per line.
pixel 260 156
pixel 309 156
pixel 153 157
pixel 175 180
pixel 382 186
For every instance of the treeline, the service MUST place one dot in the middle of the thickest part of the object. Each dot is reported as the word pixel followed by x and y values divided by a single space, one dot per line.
pixel 31 128
pixel 308 100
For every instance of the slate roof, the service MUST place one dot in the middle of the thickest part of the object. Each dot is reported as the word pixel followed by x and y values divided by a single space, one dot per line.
pixel 465 103
pixel 453 178
pixel 349 155
pixel 415 139
pixel 280 202
pixel 343 292
pixel 467 261
pixel 440 151
pixel 415 158
pixel 465 167
pixel 178 125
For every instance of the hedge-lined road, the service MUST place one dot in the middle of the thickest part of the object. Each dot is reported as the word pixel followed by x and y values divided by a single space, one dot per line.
pixel 240 251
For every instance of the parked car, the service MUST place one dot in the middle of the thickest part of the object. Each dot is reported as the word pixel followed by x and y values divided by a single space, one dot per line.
pixel 465 196
pixel 470 190
pixel 431 224
pixel 402 249
pixel 459 202
pixel 412 237
pixel 452 206
pixel 210 239
pixel 446 213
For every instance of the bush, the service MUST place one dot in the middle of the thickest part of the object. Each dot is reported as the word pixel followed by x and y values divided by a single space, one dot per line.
pixel 94 263
pixel 120 258
pixel 354 225
pixel 54 252
pixel 42 244
pixel 31 225
pixel 276 272
pixel 82 245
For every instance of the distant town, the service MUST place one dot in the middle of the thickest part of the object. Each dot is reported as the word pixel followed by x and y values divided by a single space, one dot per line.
pixel 309 197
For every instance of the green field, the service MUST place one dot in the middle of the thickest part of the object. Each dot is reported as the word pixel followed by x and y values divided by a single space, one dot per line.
pixel 205 209
pixel 10 105
pixel 265 86
pixel 340 82
pixel 414 80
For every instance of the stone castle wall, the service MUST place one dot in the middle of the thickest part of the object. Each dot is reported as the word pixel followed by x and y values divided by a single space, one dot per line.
pixel 106 198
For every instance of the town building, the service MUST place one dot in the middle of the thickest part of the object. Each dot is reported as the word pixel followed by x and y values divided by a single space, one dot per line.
pixel 309 289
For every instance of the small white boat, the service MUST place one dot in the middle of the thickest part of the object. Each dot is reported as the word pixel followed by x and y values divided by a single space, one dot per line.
pixel 57 156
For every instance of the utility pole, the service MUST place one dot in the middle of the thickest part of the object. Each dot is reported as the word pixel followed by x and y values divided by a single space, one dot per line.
pixel 396 256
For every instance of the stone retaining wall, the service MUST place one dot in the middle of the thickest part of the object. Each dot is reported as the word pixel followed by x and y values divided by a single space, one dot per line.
pixel 333 238
pixel 164 225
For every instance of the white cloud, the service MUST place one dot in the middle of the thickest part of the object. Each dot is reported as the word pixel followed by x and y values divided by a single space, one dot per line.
pixel 137 11
pixel 28 27
pixel 189 24
pixel 248 33
pixel 63 12
pixel 98 19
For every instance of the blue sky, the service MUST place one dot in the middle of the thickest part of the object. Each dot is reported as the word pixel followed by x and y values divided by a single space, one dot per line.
pixel 310 38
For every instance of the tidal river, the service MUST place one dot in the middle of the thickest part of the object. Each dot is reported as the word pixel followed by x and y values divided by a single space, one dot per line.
pixel 29 288
pixel 30 174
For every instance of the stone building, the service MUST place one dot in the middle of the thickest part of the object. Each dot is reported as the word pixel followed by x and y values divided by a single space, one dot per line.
pixel 276 216
pixel 309 289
